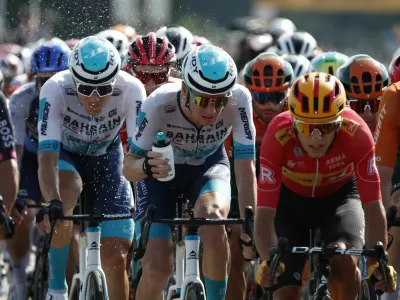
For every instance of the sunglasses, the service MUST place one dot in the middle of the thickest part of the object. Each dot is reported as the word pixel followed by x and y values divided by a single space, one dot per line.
pixel 264 98
pixel 359 106
pixel 88 90
pixel 144 77
pixel 321 128
pixel 205 101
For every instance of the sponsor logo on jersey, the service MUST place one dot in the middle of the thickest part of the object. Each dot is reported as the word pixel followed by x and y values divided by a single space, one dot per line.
pixel 284 135
pixel 178 137
pixel 112 113
pixel 372 168
pixel 246 124
pixel 70 92
pixel 379 123
pixel 266 175
pixel 141 128
pixel 219 124
pixel 116 92
pixel 180 127
pixel 79 115
pixel 350 126
pixel 6 134
pixel 169 109
pixel 336 161
pixel 298 152
pixel 43 126
pixel 91 129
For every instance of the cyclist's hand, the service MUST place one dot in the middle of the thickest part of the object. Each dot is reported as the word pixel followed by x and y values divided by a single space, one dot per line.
pixel 154 166
pixel 263 277
pixel 52 211
pixel 18 216
pixel 373 270
pixel 247 249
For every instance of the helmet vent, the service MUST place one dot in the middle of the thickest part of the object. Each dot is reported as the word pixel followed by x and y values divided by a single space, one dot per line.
pixel 330 70
pixel 327 101
pixel 268 71
pixel 48 55
pixel 304 100
pixel 366 77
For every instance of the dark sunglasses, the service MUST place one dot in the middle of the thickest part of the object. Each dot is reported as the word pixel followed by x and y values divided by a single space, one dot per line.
pixel 264 98
pixel 88 90
pixel 359 106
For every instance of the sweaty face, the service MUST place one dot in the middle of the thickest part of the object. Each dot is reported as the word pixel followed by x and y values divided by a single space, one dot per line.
pixel 316 145
pixel 93 104
pixel 266 112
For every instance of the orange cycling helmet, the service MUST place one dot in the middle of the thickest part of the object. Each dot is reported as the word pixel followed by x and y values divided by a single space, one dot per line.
pixel 363 77
pixel 268 72
pixel 317 98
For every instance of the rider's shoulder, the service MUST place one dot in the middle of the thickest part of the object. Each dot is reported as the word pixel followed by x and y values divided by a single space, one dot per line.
pixel 281 127
pixel 165 97
pixel 353 124
pixel 125 79
pixel 241 94
pixel 25 90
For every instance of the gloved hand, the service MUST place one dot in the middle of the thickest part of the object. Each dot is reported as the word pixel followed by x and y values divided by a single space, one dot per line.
pixel 373 271
pixel 54 210
pixel 263 273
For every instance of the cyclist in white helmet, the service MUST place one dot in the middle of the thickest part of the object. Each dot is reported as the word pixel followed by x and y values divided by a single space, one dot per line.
pixel 279 26
pixel 118 39
pixel 300 65
pixel 81 111
pixel 298 43
pixel 181 38
pixel 197 115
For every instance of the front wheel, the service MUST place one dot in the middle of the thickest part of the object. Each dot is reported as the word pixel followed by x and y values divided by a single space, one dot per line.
pixel 94 290
pixel 194 291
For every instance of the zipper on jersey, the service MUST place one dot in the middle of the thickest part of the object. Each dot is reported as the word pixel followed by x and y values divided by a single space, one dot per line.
pixel 89 141
pixel 316 178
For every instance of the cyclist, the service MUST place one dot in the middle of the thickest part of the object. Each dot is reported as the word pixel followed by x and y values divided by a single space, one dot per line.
pixel 364 80
pixel 151 67
pixel 92 99
pixel 317 161
pixel 387 154
pixel 129 31
pixel 298 43
pixel 299 63
pixel 181 38
pixel 47 60
pixel 11 66
pixel 328 62
pixel 118 39
pixel 268 78
pixel 197 115
pixel 279 26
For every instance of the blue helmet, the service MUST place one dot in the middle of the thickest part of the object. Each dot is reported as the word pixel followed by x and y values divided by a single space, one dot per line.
pixel 52 56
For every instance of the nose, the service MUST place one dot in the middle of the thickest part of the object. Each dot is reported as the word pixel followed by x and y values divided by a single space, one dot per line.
pixel 316 135
pixel 210 108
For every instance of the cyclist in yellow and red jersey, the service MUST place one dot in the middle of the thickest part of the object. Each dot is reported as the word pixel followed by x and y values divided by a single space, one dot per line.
pixel 268 78
pixel 317 170
pixel 150 59
pixel 364 80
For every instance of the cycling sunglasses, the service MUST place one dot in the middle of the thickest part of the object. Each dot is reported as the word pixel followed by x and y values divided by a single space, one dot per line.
pixel 321 128
pixel 359 106
pixel 205 101
pixel 88 90
pixel 144 77
pixel 264 98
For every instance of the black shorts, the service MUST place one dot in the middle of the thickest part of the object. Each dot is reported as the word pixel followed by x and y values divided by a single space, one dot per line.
pixel 339 216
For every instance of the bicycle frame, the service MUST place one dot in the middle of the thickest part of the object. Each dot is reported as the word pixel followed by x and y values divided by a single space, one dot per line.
pixel 89 261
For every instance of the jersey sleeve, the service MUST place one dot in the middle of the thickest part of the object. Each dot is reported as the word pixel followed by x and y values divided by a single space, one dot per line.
pixel 50 117
pixel 132 106
pixel 387 128
pixel 7 146
pixel 243 131
pixel 19 109
pixel 271 161
pixel 365 164
pixel 146 129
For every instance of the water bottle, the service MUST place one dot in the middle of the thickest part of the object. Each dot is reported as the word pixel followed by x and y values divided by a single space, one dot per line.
pixel 162 145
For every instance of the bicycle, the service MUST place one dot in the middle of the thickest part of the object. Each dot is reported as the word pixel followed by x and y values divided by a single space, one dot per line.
pixel 188 283
pixel 319 264
pixel 90 281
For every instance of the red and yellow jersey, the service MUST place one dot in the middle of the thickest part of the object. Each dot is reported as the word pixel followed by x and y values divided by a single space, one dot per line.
pixel 283 161
pixel 387 128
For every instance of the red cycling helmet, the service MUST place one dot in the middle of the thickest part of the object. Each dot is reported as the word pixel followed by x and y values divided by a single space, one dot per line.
pixel 394 69
pixel 151 50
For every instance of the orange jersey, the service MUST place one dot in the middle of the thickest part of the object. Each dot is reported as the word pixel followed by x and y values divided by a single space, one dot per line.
pixel 283 161
pixel 387 128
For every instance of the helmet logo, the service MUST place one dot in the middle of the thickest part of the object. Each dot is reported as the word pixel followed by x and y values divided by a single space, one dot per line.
pixel 76 57
pixel 112 58
pixel 194 63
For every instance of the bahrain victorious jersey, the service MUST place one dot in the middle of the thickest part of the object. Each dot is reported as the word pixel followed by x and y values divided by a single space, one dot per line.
pixel 284 161
pixel 387 129
pixel 64 121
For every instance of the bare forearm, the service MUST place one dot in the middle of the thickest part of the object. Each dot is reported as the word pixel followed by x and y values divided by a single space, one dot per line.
pixel 246 183
pixel 386 174
pixel 133 168
pixel 49 179
pixel 375 224
pixel 9 182
pixel 264 232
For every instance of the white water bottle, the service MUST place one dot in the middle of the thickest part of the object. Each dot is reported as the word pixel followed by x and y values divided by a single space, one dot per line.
pixel 162 145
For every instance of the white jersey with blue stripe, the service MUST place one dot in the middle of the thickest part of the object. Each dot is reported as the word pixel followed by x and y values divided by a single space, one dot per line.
pixel 162 112
pixel 64 121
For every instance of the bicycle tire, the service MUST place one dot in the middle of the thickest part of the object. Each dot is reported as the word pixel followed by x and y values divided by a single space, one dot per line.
pixel 194 291
pixel 74 294
pixel 367 291
pixel 39 282
pixel 94 290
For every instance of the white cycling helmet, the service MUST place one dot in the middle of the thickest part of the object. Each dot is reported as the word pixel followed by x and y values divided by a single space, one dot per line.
pixel 298 43
pixel 279 26
pixel 117 38
pixel 209 70
pixel 94 61
pixel 180 37
pixel 11 65
pixel 1 80
pixel 300 64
